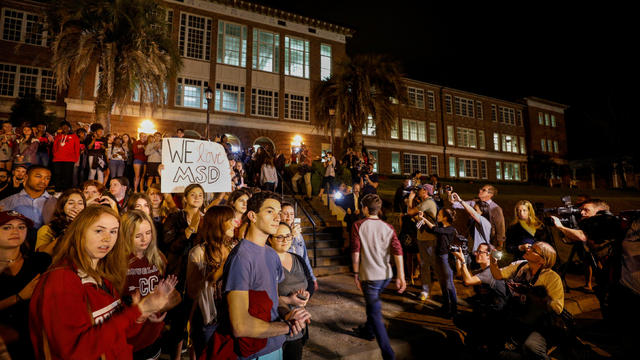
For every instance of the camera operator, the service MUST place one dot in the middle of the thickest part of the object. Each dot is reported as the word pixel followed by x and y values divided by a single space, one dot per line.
pixel 426 238
pixel 368 180
pixel 329 163
pixel 601 232
pixel 402 192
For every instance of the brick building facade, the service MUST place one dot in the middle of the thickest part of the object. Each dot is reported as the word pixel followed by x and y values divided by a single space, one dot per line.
pixel 261 64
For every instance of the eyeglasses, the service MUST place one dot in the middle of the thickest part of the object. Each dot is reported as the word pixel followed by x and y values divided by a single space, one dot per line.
pixel 485 190
pixel 533 250
pixel 478 252
pixel 283 238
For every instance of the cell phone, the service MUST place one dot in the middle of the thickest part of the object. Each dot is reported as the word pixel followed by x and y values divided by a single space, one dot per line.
pixel 301 297
pixel 296 221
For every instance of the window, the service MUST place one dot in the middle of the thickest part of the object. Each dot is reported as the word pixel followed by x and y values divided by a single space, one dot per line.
pixel 466 138
pixel 555 147
pixel 296 57
pixel 540 119
pixel 18 80
pixel 325 61
pixel 447 103
pixel 413 130
pixel 229 98
pixel 370 127
pixel 394 129
pixel 463 106
pixel 519 118
pixel 266 51
pixel 395 162
pixel 264 102
pixel 543 145
pixel 415 162
pixel 23 27
pixel 479 112
pixel 483 169
pixel 498 170
pixel 510 143
pixel 416 97
pixel 507 115
pixel 546 119
pixel 195 37
pixel 433 133
pixel 523 146
pixel 553 120
pixel 496 142
pixel 373 158
pixel 452 166
pixel 296 107
pixel 468 168
pixel 481 144
pixel 190 93
pixel 232 44
pixel 511 171
pixel 431 100
pixel 433 162
pixel 549 145
pixel 165 15
pixel 450 135
pixel 494 113
pixel 524 172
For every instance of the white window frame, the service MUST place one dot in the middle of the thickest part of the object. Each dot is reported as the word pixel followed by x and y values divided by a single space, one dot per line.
pixel 463 106
pixel 394 134
pixel 289 100
pixel 414 130
pixel 466 138
pixel 431 100
pixel 43 81
pixel 519 117
pixel 271 57
pixel 523 146
pixel 555 147
pixel 300 70
pixel 494 113
pixel 510 143
pixel 543 145
pixel 433 133
pixel 200 84
pixel 481 143
pixel 24 34
pixel 447 104
pixel 452 167
pixel 225 90
pixel 451 135
pixel 498 170
pixel 479 110
pixel 433 165
pixel 259 98
pixel 187 40
pixel 468 168
pixel 414 162
pixel 484 170
pixel 553 120
pixel 546 119
pixel 507 115
pixel 415 97
pixel 496 142
pixel 540 118
pixel 511 171
pixel 325 61
pixel 226 40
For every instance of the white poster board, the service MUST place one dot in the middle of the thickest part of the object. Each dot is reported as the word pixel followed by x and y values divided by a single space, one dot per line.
pixel 188 161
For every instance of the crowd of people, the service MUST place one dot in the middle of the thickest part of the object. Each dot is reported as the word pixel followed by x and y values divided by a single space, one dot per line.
pixel 95 261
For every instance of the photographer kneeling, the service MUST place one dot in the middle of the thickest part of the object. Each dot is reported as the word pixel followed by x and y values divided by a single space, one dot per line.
pixel 536 294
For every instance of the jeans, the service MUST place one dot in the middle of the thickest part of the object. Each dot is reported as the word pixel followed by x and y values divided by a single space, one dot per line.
pixel 42 158
pixel 375 325
pixel 426 262
pixel 534 347
pixel 445 277
pixel 116 167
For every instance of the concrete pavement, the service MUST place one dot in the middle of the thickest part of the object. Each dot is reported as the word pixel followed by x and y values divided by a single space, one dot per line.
pixel 415 329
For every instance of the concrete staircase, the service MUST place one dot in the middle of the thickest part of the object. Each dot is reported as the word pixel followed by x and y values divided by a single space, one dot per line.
pixel 330 235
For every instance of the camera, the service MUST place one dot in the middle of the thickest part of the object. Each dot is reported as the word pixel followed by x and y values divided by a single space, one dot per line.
pixel 568 214
pixel 456 248
pixel 497 254
pixel 448 188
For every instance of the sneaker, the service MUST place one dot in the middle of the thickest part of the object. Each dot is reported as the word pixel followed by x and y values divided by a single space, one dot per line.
pixel 424 296
pixel 362 333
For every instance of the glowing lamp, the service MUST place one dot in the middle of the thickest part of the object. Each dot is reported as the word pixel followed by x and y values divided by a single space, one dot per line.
pixel 297 141
pixel 147 127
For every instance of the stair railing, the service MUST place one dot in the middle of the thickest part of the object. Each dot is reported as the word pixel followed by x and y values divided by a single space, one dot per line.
pixel 297 204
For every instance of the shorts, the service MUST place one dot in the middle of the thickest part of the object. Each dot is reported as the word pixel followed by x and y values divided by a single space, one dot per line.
pixel 138 162
pixel 152 169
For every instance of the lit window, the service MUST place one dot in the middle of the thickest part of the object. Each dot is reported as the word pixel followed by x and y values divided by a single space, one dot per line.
pixel 498 170
pixel 369 127
pixel 264 102
pixel 466 138
pixel 229 98
pixel 24 80
pixel 540 118
pixel 266 51
pixel 433 133
pixel 553 120
pixel 413 130
pixel 468 168
pixel 496 142
pixel 555 147
pixel 483 169
pixel 450 135
pixel 433 162
pixel 232 44
pixel 23 27
pixel 523 147
pixel 543 145
pixel 296 57
pixel 481 144
pixel 452 166
pixel 394 129
pixel 395 162
pixel 296 107
pixel 325 61
pixel 190 93
pixel 415 162
pixel 463 106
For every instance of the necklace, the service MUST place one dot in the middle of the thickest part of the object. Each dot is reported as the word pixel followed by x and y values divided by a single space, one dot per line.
pixel 9 261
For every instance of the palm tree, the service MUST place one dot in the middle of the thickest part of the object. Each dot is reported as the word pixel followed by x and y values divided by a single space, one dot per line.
pixel 128 41
pixel 363 87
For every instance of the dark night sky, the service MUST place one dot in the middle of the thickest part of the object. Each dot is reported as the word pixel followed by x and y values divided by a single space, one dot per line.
pixel 582 56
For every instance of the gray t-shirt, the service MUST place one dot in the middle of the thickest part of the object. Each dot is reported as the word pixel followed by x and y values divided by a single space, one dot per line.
pixel 294 280
pixel 482 232
pixel 492 292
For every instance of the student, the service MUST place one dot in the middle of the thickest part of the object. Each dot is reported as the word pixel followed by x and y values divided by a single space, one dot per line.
pixel 76 311
pixel 68 206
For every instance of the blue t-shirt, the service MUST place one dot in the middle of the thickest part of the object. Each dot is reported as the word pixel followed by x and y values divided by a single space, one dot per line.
pixel 255 267
pixel 482 232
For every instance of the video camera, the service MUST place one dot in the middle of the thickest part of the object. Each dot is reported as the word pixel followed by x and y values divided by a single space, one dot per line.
pixel 410 188
pixel 568 214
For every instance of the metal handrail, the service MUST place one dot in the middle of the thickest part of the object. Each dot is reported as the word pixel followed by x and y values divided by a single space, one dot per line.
pixel 304 211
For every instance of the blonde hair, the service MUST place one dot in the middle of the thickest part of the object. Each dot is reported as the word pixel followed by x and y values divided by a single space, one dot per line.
pixel 532 220
pixel 113 266
pixel 129 226
pixel 547 252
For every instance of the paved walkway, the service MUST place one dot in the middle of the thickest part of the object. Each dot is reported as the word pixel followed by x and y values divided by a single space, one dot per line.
pixel 415 329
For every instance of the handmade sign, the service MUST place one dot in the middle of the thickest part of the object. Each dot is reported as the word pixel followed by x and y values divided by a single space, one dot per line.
pixel 188 161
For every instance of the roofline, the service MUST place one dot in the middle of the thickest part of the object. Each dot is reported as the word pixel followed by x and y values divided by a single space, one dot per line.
pixel 285 15
pixel 548 102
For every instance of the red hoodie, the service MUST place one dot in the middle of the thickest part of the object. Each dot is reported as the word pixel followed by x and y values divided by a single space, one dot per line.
pixel 71 317
pixel 66 147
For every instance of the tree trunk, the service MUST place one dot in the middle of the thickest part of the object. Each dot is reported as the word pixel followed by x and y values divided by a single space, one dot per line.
pixel 357 139
pixel 103 107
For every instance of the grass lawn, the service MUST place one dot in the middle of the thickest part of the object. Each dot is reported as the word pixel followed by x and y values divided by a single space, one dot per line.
pixel 509 194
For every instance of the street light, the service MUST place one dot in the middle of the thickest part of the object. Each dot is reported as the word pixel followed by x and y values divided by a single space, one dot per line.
pixel 332 113
pixel 208 94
